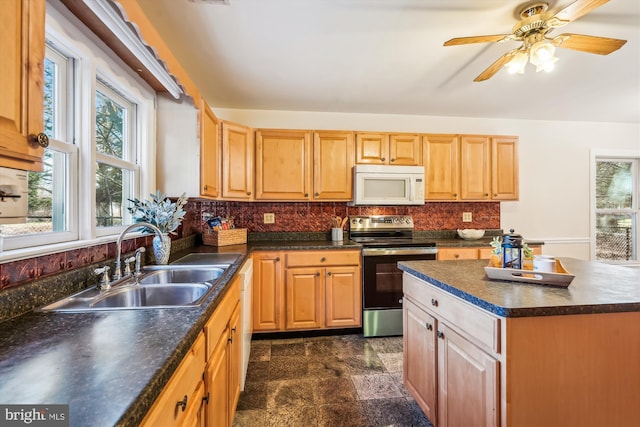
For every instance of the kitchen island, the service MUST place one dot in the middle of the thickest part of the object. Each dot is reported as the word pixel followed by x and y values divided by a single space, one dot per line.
pixel 493 353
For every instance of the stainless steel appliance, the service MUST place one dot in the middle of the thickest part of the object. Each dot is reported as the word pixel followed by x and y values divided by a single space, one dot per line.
pixel 13 196
pixel 386 239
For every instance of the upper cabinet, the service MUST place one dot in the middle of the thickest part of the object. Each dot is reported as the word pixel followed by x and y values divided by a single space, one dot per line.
pixel 209 152
pixel 21 84
pixel 283 164
pixel 471 167
pixel 237 161
pixel 333 158
pixel 388 149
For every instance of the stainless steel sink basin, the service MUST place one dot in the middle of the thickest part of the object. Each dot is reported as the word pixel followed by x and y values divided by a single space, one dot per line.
pixel 139 296
pixel 159 286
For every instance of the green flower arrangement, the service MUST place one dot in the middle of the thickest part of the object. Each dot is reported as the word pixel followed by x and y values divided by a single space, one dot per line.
pixel 159 211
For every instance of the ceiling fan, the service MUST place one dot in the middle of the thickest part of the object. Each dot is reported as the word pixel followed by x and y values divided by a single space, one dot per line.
pixel 536 22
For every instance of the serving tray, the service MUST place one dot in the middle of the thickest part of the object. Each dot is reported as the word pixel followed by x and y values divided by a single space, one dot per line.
pixel 561 277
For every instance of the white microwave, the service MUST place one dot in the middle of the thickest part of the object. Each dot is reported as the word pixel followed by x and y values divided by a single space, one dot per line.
pixel 388 185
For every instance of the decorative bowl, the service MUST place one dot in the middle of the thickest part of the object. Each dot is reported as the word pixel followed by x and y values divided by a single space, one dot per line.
pixel 471 234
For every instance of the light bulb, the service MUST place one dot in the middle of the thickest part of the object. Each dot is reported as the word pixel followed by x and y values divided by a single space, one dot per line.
pixel 518 63
pixel 542 55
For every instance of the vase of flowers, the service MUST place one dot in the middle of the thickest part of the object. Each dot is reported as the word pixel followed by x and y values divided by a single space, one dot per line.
pixel 160 211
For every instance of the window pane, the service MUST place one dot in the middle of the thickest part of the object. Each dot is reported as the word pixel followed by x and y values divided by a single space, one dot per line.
pixel 110 126
pixel 50 73
pixel 614 185
pixel 113 188
pixel 614 236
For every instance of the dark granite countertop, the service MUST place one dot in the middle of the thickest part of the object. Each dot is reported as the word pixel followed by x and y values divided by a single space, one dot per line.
pixel 596 288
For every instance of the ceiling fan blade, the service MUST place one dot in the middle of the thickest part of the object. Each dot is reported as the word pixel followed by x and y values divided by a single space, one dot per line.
pixel 496 66
pixel 591 44
pixel 479 39
pixel 574 11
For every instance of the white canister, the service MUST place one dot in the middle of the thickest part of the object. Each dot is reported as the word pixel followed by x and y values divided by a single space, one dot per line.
pixel 337 234
pixel 544 263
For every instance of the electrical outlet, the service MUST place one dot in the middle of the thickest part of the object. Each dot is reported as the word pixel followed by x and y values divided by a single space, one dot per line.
pixel 269 218
pixel 467 217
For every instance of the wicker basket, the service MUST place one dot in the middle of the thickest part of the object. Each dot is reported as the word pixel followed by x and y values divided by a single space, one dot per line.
pixel 235 236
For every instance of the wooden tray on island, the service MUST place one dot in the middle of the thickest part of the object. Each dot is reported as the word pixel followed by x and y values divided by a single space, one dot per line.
pixel 561 277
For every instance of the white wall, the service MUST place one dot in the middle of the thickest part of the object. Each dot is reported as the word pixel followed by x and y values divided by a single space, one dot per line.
pixel 554 203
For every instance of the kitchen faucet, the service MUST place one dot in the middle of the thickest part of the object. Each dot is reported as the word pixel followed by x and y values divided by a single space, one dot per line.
pixel 117 274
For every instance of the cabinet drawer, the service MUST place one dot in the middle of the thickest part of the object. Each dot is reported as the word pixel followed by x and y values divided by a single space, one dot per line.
pixel 322 258
pixel 184 382
pixel 447 254
pixel 470 321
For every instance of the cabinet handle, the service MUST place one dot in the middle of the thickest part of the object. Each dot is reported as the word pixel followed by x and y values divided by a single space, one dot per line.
pixel 486 194
pixel 440 334
pixel 455 194
pixel 306 194
pixel 429 326
pixel 383 159
pixel 328 273
pixel 318 274
pixel 248 193
pixel 393 160
pixel 434 302
pixel 233 329
pixel 182 403
pixel 277 259
pixel 206 187
pixel 495 194
pixel 316 194
pixel 323 259
pixel 230 340
pixel 456 255
pixel 40 139
pixel 205 399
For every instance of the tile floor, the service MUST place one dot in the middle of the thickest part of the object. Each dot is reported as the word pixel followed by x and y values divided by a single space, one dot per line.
pixel 336 381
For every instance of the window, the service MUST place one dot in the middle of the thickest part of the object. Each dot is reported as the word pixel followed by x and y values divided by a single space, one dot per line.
pixel 616 212
pixel 99 143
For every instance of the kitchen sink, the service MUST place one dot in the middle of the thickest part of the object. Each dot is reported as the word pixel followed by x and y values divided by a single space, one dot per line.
pixel 158 286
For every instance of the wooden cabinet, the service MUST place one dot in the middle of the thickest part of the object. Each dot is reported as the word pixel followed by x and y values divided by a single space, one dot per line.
pixel 237 161
pixel 21 83
pixel 222 374
pixel 283 164
pixel 470 167
pixel 180 402
pixel 388 149
pixel 484 252
pixel 451 363
pixel 310 290
pixel 209 152
pixel 441 164
pixel 333 159
pixel 268 291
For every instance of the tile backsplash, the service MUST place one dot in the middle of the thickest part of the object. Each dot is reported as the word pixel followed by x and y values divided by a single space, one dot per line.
pixel 289 217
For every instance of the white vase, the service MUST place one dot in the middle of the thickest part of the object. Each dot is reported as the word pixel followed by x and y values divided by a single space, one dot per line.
pixel 162 248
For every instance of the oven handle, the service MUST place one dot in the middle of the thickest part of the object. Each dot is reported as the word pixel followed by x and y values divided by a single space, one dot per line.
pixel 399 251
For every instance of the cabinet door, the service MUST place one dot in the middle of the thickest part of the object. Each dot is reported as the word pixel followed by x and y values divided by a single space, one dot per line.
pixel 333 159
pixel 405 149
pixel 372 148
pixel 237 161
pixel 283 165
pixel 209 152
pixel 504 168
pixel 268 292
pixel 419 364
pixel 235 358
pixel 343 297
pixel 304 298
pixel 21 83
pixel 441 167
pixel 467 383
pixel 216 379
pixel 475 167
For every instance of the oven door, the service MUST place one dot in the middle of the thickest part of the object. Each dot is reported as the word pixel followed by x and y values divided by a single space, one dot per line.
pixel 382 279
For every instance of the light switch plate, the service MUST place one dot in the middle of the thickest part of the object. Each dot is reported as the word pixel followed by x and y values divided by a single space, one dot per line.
pixel 467 217
pixel 269 218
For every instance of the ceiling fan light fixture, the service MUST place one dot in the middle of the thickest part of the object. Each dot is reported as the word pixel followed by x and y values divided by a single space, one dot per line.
pixel 542 55
pixel 518 63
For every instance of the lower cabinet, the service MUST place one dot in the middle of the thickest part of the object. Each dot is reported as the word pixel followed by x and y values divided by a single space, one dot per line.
pixel 205 388
pixel 304 290
pixel 456 253
pixel 453 375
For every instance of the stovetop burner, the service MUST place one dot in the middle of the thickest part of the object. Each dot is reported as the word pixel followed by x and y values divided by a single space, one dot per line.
pixel 385 231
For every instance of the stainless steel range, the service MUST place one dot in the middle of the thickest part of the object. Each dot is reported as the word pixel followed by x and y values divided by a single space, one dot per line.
pixel 386 239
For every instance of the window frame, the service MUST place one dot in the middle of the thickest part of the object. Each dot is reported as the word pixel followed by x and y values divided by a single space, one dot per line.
pixel 621 156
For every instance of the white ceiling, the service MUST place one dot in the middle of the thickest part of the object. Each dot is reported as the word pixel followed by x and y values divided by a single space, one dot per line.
pixel 386 56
